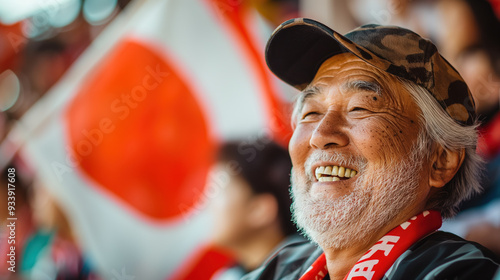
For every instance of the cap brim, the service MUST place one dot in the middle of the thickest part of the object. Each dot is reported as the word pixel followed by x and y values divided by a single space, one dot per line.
pixel 298 47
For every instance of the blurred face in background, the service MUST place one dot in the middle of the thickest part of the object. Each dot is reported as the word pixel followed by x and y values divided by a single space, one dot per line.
pixel 477 71
pixel 231 207
pixel 47 213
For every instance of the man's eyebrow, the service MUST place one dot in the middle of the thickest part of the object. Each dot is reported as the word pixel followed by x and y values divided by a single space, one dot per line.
pixel 363 86
pixel 307 93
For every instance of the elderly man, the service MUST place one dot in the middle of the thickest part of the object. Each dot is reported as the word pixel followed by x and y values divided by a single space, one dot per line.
pixel 383 148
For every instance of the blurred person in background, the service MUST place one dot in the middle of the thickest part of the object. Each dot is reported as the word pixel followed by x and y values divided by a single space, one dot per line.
pixel 252 204
pixel 45 245
pixel 52 251
pixel 39 60
pixel 476 54
pixel 42 64
pixel 44 60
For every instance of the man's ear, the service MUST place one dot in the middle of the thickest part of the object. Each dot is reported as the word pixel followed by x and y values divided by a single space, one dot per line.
pixel 444 165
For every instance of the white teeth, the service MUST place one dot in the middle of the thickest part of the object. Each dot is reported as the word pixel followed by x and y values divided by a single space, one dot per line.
pixel 328 170
pixel 320 170
pixel 341 171
pixel 335 171
pixel 347 173
pixel 332 173
pixel 327 179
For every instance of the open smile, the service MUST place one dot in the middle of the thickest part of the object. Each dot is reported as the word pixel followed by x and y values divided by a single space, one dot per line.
pixel 332 173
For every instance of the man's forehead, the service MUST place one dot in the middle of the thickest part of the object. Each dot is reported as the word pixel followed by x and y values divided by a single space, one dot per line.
pixel 344 66
pixel 347 73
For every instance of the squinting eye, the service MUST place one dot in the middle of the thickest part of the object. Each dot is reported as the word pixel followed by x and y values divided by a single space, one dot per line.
pixel 357 109
pixel 309 114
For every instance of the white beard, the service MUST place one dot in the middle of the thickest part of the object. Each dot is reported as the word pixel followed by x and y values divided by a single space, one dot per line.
pixel 340 222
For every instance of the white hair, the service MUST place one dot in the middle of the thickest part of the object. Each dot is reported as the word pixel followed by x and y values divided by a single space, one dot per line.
pixel 439 128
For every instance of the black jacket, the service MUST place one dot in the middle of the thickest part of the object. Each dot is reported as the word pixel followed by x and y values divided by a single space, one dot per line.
pixel 440 255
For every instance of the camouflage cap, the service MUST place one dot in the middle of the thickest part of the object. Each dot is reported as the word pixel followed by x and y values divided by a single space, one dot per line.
pixel 298 47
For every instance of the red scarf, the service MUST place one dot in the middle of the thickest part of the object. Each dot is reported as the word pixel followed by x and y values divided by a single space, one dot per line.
pixel 381 256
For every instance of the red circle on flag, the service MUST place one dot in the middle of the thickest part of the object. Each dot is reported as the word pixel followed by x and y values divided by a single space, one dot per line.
pixel 137 129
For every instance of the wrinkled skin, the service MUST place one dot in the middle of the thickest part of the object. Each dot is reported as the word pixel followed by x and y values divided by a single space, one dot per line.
pixel 359 112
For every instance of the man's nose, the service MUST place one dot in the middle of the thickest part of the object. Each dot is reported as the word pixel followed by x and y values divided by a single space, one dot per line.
pixel 330 132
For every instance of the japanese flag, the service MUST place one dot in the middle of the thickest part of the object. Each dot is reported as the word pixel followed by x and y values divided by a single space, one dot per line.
pixel 125 140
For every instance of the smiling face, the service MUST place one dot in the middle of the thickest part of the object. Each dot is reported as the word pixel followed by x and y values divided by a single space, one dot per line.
pixel 355 171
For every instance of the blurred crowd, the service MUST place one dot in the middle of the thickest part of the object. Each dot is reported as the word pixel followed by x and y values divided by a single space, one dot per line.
pixel 253 210
pixel 35 54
